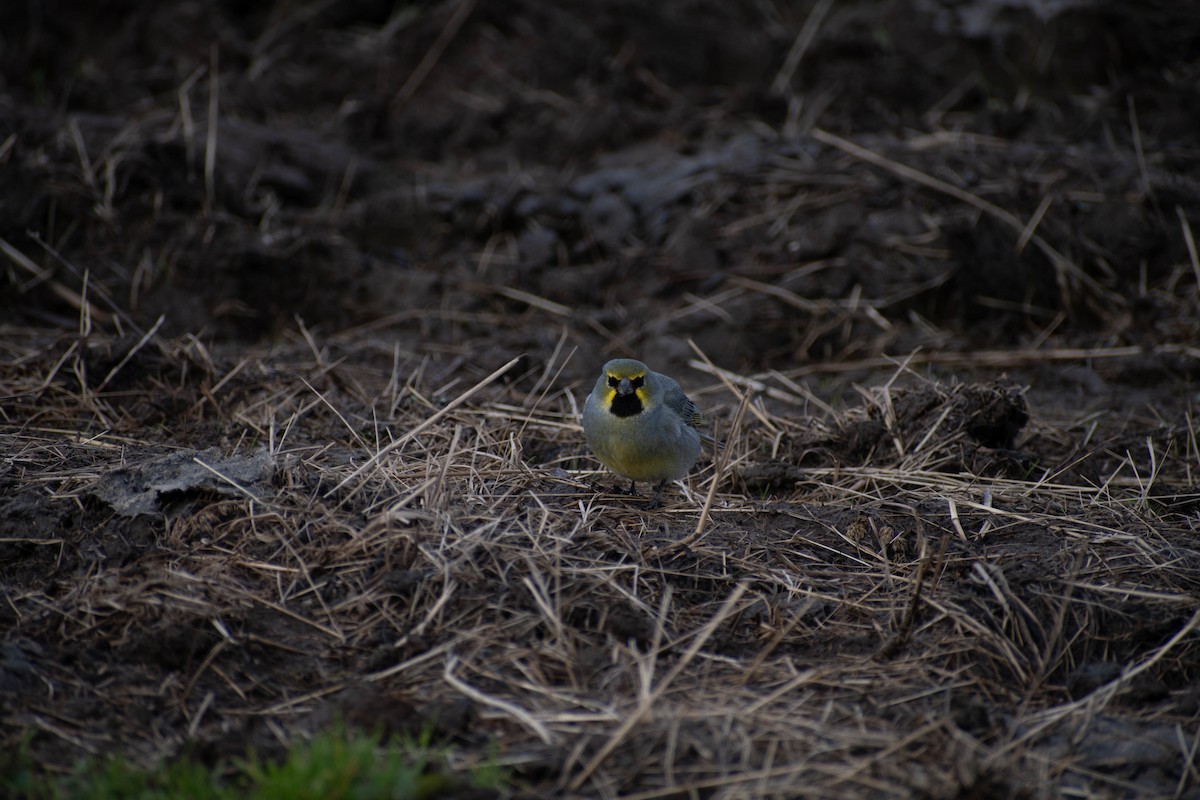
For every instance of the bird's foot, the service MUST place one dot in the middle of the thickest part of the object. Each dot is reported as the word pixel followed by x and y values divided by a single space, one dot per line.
pixel 656 501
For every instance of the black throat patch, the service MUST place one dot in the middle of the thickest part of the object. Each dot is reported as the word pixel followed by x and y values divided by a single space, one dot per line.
pixel 626 405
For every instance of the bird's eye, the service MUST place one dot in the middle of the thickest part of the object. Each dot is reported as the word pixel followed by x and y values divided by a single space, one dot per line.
pixel 613 381
pixel 639 381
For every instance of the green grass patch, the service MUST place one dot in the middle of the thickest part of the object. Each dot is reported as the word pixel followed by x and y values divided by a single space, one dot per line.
pixel 333 766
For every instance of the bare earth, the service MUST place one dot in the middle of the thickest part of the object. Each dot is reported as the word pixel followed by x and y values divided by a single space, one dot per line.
pixel 300 304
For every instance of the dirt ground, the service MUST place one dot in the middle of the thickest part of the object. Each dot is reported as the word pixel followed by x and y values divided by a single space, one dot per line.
pixel 300 301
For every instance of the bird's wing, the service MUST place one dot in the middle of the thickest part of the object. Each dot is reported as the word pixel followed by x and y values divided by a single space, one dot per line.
pixel 682 405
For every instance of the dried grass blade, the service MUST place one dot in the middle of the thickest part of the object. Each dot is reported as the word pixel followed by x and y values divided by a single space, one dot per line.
pixel 453 404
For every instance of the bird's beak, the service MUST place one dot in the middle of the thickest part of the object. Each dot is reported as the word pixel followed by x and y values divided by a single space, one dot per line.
pixel 625 386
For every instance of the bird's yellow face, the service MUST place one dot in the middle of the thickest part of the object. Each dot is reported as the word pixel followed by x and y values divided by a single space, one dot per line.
pixel 626 393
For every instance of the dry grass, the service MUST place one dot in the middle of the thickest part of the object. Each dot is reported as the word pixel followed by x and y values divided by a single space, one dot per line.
pixel 432 546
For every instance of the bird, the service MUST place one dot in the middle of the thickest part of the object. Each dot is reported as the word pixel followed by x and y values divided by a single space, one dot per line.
pixel 641 425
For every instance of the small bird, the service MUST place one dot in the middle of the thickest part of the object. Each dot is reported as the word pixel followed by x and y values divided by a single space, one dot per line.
pixel 641 425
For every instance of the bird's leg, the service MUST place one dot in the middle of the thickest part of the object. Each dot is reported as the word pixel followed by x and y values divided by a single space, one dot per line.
pixel 633 488
pixel 656 501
